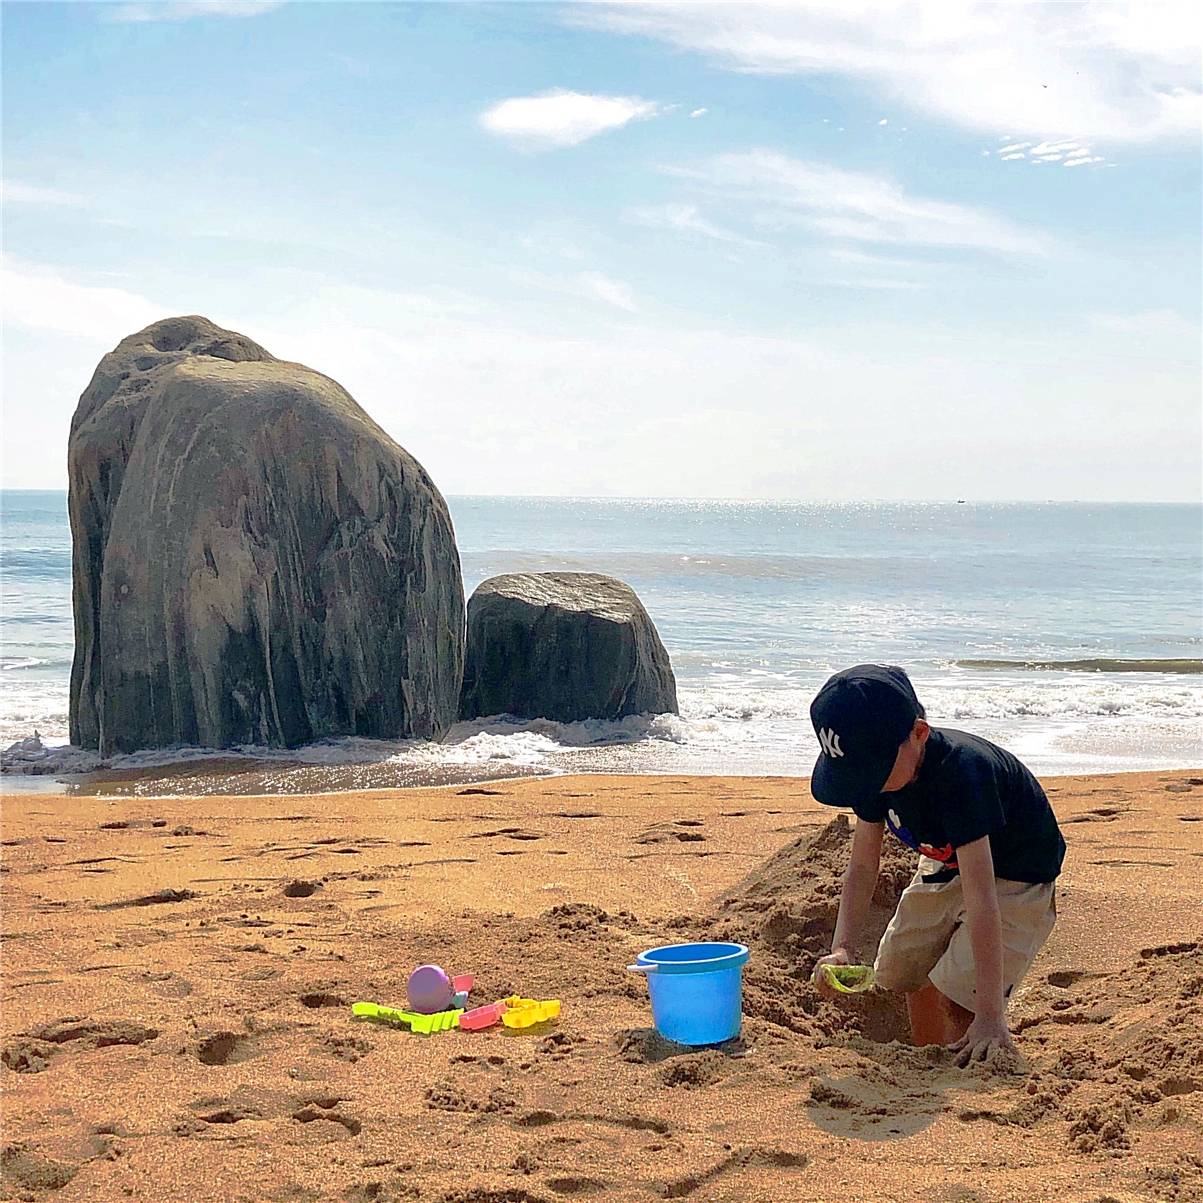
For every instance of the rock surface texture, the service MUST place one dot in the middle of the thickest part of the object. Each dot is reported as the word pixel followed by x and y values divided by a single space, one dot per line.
pixel 255 560
pixel 564 646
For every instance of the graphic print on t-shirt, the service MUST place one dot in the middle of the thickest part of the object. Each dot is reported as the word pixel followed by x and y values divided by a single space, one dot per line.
pixel 947 854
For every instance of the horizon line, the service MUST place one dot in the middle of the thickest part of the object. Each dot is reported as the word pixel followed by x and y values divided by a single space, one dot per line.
pixel 760 500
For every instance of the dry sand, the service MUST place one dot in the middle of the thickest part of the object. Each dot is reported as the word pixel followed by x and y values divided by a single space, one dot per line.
pixel 178 974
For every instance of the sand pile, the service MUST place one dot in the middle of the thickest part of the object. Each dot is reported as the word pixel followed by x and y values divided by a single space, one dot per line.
pixel 1117 1052
pixel 786 910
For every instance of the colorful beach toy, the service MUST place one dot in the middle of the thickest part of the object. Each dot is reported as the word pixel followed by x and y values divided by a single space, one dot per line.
pixel 427 1025
pixel 849 979
pixel 480 1018
pixel 526 1012
pixel 696 990
pixel 429 989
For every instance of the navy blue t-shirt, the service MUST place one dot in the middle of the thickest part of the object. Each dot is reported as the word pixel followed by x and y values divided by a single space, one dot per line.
pixel 968 787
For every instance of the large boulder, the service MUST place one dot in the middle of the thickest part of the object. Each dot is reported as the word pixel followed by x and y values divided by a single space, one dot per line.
pixel 564 646
pixel 255 560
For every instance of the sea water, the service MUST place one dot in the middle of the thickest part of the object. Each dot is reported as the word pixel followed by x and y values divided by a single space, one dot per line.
pixel 757 603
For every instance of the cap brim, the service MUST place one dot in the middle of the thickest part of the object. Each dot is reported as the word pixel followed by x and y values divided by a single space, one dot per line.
pixel 836 784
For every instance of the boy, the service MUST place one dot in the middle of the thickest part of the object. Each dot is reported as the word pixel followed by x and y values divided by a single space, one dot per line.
pixel 982 902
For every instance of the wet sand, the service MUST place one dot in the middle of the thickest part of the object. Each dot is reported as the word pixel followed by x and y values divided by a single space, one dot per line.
pixel 178 976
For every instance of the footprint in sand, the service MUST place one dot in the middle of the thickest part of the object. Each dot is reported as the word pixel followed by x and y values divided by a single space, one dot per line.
pixel 323 998
pixel 574 1184
pixel 28 1056
pixel 227 1113
pixel 449 1094
pixel 301 889
pixel 26 1170
pixel 93 1033
pixel 510 833
pixel 694 1070
pixel 679 829
pixel 159 898
pixel 345 1047
pixel 1101 814
pixel 326 1112
pixel 1064 978
pixel 1156 864
pixel 757 1156
pixel 229 1048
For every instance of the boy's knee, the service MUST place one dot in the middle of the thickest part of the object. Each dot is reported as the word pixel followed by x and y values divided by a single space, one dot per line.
pixel 891 973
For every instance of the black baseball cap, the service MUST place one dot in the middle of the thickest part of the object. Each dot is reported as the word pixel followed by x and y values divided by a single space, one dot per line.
pixel 861 716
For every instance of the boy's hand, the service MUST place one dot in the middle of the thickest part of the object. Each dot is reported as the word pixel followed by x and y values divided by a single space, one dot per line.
pixel 838 956
pixel 982 1037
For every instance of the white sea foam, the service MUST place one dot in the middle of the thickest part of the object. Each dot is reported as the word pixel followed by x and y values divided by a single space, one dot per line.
pixel 1125 721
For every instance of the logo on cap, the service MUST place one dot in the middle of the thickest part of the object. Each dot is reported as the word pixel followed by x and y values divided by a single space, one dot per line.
pixel 831 742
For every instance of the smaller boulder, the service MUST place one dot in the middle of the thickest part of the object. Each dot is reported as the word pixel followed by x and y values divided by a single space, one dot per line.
pixel 564 646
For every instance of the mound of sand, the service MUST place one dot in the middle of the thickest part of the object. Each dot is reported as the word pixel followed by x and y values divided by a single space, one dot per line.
pixel 786 910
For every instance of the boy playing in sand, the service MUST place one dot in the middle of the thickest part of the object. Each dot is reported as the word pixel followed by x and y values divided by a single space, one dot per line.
pixel 982 901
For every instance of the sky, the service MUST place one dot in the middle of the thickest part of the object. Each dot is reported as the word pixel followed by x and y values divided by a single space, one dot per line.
pixel 825 251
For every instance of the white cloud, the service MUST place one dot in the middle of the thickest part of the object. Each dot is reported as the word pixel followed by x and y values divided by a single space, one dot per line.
pixel 854 205
pixel 699 112
pixel 648 409
pixel 1152 325
pixel 684 219
pixel 1109 72
pixel 13 192
pixel 875 282
pixel 1068 152
pixel 550 243
pixel 604 288
pixel 868 259
pixel 591 286
pixel 884 121
pixel 185 10
pixel 42 298
pixel 560 118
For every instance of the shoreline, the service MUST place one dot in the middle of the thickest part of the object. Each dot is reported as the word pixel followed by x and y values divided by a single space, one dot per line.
pixel 218 771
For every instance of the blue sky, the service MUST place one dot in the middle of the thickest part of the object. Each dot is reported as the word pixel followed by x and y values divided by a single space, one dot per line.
pixel 807 250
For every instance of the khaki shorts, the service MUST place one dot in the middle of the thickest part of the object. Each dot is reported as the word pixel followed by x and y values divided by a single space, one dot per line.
pixel 927 939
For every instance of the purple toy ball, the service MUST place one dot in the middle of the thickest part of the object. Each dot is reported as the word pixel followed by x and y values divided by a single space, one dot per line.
pixel 428 990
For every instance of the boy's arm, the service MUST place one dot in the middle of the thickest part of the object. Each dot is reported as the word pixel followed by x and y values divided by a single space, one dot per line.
pixel 989 1027
pixel 860 880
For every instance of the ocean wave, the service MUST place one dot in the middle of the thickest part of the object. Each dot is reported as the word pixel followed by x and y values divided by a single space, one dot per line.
pixel 11 664
pixel 503 739
pixel 1101 664
pixel 731 722
pixel 953 700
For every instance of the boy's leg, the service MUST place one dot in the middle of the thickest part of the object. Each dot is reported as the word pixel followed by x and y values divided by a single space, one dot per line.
pixel 935 1018
pixel 1026 914
pixel 915 940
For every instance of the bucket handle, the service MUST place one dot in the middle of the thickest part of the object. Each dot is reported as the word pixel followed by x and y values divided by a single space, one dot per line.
pixel 642 968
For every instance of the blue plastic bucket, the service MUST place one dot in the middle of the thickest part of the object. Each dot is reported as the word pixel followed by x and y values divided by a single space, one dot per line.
pixel 696 990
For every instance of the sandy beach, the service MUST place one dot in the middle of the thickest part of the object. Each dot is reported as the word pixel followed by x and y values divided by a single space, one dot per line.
pixel 179 972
